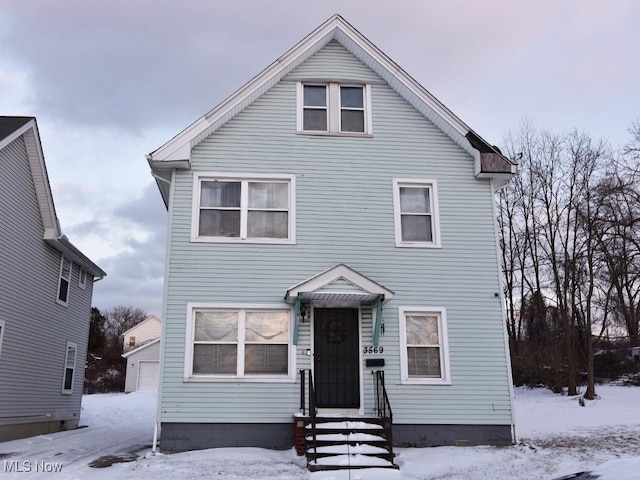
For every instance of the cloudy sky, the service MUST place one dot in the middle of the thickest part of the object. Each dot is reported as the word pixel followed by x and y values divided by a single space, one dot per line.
pixel 110 81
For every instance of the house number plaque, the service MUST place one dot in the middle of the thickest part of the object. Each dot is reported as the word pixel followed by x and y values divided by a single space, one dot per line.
pixel 372 349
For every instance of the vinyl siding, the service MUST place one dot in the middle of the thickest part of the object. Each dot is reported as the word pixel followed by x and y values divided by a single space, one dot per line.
pixel 344 201
pixel 151 353
pixel 37 328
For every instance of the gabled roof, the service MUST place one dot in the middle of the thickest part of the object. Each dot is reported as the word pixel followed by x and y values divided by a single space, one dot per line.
pixel 12 128
pixel 176 153
pixel 339 283
pixel 144 322
pixel 141 347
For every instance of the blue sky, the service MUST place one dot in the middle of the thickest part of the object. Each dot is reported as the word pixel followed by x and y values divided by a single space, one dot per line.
pixel 110 81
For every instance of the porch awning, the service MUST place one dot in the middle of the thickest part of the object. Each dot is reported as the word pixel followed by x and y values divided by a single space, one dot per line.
pixel 339 284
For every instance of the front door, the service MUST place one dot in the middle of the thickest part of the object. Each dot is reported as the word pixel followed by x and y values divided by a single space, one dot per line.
pixel 336 358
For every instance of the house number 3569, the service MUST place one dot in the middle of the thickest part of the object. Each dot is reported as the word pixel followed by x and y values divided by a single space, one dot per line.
pixel 371 349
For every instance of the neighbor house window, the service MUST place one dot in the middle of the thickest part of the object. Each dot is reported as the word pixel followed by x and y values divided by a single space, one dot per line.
pixel 82 278
pixel 424 345
pixel 132 341
pixel 242 342
pixel 416 213
pixel 2 327
pixel 69 367
pixel 252 210
pixel 334 108
pixel 64 281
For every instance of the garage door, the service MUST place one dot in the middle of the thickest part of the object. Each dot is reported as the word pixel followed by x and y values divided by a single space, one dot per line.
pixel 148 375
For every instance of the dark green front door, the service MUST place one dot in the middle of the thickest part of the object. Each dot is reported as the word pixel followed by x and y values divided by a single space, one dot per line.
pixel 336 357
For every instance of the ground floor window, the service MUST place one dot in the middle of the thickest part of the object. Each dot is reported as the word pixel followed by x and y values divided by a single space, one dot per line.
pixel 69 367
pixel 424 345
pixel 239 342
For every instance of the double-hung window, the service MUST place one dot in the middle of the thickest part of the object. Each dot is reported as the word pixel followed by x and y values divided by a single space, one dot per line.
pixel 416 213
pixel 424 346
pixel 64 281
pixel 244 209
pixel 334 108
pixel 69 367
pixel 239 343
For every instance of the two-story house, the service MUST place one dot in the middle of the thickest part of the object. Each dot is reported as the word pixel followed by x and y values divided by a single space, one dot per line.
pixel 332 220
pixel 46 285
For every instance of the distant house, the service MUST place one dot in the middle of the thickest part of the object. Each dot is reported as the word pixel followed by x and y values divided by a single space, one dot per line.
pixel 46 285
pixel 142 351
pixel 333 221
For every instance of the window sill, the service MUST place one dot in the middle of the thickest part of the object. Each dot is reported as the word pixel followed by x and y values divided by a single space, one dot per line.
pixel 418 245
pixel 67 392
pixel 334 134
pixel 60 302
pixel 264 241
pixel 425 381
pixel 216 379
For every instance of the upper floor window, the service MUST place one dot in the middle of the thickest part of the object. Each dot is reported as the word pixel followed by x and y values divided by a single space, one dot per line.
pixel 424 349
pixel 64 281
pixel 239 343
pixel 82 278
pixel 69 367
pixel 254 210
pixel 334 108
pixel 415 205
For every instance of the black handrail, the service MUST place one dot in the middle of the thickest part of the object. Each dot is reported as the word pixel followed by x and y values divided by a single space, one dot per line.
pixel 383 406
pixel 311 398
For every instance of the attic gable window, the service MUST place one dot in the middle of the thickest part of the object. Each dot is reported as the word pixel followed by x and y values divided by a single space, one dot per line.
pixel 334 108
pixel 239 208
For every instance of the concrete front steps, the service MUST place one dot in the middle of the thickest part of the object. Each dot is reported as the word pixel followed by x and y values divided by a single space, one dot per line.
pixel 349 443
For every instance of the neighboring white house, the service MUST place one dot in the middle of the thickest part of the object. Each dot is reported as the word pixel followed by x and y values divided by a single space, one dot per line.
pixel 332 219
pixel 148 329
pixel 142 352
pixel 46 287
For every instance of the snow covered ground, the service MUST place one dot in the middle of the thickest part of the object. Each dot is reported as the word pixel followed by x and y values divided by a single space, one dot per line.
pixel 556 437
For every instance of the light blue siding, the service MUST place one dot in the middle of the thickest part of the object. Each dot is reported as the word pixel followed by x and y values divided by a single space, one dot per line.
pixel 344 199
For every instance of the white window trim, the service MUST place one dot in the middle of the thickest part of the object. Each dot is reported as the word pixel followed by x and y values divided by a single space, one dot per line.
pixel 435 212
pixel 3 327
pixel 445 379
pixel 82 278
pixel 64 367
pixel 334 127
pixel 66 302
pixel 240 177
pixel 188 346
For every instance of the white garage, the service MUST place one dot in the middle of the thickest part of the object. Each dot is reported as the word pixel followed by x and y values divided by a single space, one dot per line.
pixel 143 368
